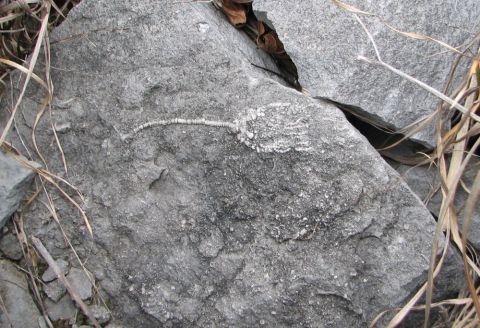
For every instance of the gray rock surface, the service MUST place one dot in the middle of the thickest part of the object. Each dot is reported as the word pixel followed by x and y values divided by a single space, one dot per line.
pixel 324 42
pixel 80 281
pixel 64 309
pixel 20 308
pixel 50 275
pixel 55 290
pixel 10 247
pixel 286 216
pixel 425 182
pixel 100 313
pixel 14 181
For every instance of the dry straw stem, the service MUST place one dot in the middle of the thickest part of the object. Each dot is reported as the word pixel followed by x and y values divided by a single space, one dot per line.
pixel 411 35
pixel 456 143
pixel 33 61
pixel 42 7
pixel 52 179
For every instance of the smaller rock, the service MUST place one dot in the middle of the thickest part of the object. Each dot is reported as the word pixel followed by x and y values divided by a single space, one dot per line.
pixel 14 181
pixel 17 301
pixel 64 309
pixel 100 313
pixel 80 281
pixel 55 290
pixel 210 246
pixel 10 247
pixel 50 275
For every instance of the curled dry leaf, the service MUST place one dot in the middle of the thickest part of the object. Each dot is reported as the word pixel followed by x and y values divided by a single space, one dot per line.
pixel 240 14
pixel 236 11
pixel 268 40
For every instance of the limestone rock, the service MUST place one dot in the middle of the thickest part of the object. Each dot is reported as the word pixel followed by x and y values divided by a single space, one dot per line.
pixel 100 313
pixel 14 181
pixel 273 210
pixel 324 42
pixel 80 281
pixel 50 275
pixel 20 308
pixel 55 290
pixel 425 182
pixel 10 247
pixel 64 309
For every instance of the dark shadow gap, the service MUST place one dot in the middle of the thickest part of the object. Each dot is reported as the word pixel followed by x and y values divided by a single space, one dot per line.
pixel 381 136
pixel 241 15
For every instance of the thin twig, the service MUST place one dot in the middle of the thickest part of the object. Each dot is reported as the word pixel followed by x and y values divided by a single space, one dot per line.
pixel 377 53
pixel 73 293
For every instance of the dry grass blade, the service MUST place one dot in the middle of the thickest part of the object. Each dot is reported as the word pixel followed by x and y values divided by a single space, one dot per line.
pixel 50 93
pixel 451 178
pixel 412 35
pixel 418 36
pixel 457 301
pixel 45 174
pixel 70 199
pixel 23 4
pixel 33 60
pixel 73 293
pixel 9 18
pixel 403 312
pixel 455 140
pixel 471 203
pixel 59 145
pixel 400 316
pixel 424 86
pixel 39 115
pixel 58 10
pixel 24 70
pixel 351 8
pixel 27 24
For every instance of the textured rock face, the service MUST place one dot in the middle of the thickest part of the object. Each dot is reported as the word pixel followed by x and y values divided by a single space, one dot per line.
pixel 324 41
pixel 424 181
pixel 291 220
pixel 14 181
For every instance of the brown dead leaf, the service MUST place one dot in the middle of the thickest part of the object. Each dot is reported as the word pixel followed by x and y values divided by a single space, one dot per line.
pixel 240 15
pixel 236 11
pixel 268 40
